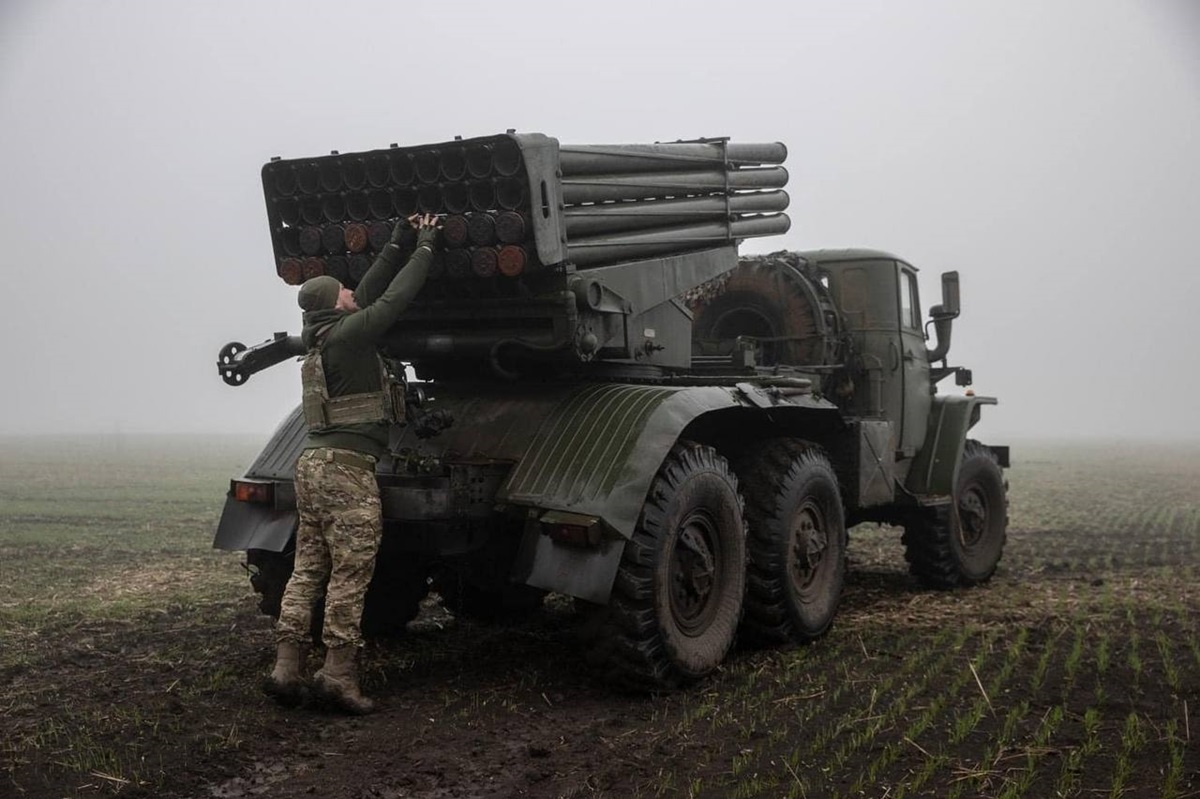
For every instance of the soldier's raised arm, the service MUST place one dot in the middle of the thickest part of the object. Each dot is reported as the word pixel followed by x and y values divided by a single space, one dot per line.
pixel 383 270
pixel 371 322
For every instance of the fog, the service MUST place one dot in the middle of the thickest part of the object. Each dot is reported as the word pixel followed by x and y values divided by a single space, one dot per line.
pixel 1050 152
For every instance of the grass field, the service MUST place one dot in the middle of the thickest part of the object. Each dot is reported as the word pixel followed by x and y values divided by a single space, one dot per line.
pixel 130 654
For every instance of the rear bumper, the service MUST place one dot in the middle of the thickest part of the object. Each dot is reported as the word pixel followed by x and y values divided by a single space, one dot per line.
pixel 441 514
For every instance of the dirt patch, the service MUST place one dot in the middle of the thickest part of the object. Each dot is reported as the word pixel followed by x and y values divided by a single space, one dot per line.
pixel 167 705
pixel 131 657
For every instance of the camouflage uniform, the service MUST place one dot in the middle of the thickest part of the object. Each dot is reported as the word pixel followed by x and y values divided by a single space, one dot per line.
pixel 336 493
pixel 350 401
pixel 340 530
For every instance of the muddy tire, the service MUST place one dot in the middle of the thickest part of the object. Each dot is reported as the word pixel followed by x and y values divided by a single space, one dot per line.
pixel 796 543
pixel 677 597
pixel 960 544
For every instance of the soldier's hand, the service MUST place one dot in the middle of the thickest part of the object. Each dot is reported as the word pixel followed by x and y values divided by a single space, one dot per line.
pixel 427 230
pixel 402 227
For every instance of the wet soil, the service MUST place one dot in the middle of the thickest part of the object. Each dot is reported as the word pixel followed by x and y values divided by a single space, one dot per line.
pixel 169 705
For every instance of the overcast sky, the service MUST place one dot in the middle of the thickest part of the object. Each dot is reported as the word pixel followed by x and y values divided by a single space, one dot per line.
pixel 1049 151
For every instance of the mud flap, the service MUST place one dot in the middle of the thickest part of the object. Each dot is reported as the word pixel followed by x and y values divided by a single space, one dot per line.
pixel 583 572
pixel 245 525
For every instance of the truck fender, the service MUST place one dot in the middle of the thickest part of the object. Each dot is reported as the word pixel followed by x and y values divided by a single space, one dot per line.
pixel 597 453
pixel 935 470
pixel 596 456
pixel 597 459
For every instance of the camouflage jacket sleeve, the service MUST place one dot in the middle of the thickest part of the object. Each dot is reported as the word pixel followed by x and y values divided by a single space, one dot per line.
pixel 369 324
pixel 378 277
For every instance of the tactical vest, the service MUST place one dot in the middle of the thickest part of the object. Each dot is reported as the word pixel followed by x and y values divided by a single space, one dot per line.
pixel 322 411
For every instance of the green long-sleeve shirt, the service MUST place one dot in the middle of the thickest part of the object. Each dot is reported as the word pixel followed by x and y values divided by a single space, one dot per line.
pixel 351 346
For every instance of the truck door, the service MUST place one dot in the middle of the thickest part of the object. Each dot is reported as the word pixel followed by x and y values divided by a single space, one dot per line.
pixel 914 366
pixel 878 300
pixel 865 292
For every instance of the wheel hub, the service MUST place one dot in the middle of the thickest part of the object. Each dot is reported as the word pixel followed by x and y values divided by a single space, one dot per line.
pixel 809 540
pixel 972 516
pixel 693 574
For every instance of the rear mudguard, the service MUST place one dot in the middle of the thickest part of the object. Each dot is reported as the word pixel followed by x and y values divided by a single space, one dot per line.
pixel 935 470
pixel 246 525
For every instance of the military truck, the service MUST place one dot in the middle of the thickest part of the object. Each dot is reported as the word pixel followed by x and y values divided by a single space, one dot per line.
pixel 610 404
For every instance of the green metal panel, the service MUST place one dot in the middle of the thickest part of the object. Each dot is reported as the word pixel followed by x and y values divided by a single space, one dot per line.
pixel 588 448
pixel 577 454
pixel 935 470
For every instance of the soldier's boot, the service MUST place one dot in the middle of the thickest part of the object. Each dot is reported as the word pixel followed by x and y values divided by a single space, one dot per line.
pixel 285 683
pixel 337 681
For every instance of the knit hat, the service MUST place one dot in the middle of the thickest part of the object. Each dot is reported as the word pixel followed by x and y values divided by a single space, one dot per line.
pixel 319 293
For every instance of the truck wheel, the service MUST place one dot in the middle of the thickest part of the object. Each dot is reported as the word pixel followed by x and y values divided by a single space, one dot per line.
pixel 796 540
pixel 677 598
pixel 961 543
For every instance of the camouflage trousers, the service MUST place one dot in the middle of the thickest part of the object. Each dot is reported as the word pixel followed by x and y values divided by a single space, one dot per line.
pixel 339 533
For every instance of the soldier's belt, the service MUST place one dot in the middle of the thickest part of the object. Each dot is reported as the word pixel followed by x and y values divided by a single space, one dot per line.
pixel 344 457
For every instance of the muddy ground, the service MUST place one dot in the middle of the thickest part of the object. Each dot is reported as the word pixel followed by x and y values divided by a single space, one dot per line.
pixel 1075 672
pixel 477 711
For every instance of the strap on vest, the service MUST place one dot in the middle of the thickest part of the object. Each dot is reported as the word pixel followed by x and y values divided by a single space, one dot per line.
pixel 322 411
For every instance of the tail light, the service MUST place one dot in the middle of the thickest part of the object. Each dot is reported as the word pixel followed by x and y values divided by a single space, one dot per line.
pixel 252 491
pixel 575 529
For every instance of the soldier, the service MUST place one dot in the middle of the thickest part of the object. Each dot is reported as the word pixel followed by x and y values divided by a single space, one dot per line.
pixel 350 399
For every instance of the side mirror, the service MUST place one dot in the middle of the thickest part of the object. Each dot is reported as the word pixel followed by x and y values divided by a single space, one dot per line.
pixel 949 307
pixel 941 316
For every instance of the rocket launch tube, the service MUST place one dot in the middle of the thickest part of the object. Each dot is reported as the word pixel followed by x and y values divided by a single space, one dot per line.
pixel 589 220
pixel 601 188
pixel 605 159
pixel 616 247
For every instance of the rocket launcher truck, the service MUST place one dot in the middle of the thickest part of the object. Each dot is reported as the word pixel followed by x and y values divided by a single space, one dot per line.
pixel 611 404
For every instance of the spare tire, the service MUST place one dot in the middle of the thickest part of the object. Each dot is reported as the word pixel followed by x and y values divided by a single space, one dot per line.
pixel 767 299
